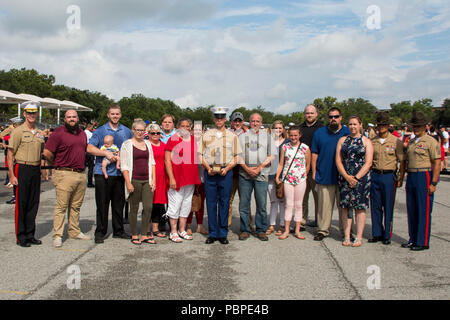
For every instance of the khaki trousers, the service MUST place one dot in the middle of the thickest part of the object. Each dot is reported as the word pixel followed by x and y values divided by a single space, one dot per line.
pixel 327 195
pixel 310 186
pixel 70 189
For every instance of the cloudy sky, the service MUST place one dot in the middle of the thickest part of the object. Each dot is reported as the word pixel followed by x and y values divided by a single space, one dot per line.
pixel 279 54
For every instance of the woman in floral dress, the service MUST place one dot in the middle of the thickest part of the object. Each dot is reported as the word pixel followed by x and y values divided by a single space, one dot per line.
pixel 354 154
pixel 294 179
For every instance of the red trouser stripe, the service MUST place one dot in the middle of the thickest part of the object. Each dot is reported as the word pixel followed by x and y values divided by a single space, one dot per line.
pixel 16 172
pixel 393 204
pixel 428 210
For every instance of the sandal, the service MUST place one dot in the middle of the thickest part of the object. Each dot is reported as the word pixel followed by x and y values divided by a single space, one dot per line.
pixel 159 234
pixel 149 241
pixel 175 238
pixel 299 236
pixel 283 237
pixel 280 232
pixel 184 235
pixel 346 242
pixel 270 230
pixel 357 243
pixel 136 242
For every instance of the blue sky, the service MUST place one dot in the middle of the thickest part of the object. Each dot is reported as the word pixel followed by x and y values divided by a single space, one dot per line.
pixel 277 54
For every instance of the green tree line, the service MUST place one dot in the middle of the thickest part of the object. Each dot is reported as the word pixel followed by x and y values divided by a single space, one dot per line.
pixel 31 81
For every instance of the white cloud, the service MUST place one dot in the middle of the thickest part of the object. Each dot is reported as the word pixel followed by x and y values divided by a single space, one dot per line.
pixel 287 107
pixel 278 91
pixel 188 101
pixel 120 51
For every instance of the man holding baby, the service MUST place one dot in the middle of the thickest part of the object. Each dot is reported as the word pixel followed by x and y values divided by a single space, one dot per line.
pixel 109 187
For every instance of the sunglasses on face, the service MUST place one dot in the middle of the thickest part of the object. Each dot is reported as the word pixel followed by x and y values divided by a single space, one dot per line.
pixel 334 117
pixel 155 133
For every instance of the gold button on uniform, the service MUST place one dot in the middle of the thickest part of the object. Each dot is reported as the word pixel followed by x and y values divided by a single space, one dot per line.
pixel 386 154
pixel 421 151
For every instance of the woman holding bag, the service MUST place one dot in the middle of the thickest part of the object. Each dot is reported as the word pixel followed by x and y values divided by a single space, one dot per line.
pixel 295 162
pixel 276 204
pixel 138 169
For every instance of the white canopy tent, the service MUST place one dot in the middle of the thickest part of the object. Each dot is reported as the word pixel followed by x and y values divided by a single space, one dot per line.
pixel 7 97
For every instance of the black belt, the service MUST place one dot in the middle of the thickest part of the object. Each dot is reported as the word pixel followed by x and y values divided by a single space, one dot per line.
pixel 382 171
pixel 70 169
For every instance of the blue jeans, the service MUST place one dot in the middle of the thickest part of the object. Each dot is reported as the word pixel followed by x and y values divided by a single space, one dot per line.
pixel 246 188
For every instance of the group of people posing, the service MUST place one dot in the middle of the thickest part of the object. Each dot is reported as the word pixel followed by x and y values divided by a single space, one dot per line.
pixel 172 171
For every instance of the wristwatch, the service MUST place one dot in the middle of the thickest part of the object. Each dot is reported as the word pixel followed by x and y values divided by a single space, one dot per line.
pixel 433 183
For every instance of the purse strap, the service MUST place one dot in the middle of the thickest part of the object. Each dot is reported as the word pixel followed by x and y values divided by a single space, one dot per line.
pixel 291 162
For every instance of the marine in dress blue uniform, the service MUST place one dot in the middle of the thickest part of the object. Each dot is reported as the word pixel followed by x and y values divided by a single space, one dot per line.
pixel 388 153
pixel 423 156
pixel 218 151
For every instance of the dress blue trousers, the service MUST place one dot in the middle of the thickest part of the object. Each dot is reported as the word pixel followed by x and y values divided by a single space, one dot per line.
pixel 419 205
pixel 218 194
pixel 382 199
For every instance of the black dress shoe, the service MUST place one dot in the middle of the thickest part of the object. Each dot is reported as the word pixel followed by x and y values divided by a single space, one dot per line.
pixel 386 241
pixel 99 240
pixel 223 240
pixel 419 248
pixel 122 235
pixel 319 237
pixel 210 240
pixel 35 241
pixel 407 245
pixel 11 201
pixel 90 186
pixel 24 244
pixel 375 239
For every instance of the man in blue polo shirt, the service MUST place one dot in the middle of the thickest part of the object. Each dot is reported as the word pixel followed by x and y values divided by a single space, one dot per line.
pixel 324 170
pixel 111 190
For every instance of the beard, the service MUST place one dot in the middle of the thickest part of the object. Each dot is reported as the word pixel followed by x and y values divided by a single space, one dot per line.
pixel 334 126
pixel 72 129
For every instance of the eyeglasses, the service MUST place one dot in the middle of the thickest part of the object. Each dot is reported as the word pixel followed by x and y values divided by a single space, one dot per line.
pixel 155 133
pixel 334 117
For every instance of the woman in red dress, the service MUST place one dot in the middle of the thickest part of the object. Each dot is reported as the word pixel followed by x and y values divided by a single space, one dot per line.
pixel 160 194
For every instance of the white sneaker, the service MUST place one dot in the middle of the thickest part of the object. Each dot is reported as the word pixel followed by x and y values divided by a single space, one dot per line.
pixel 82 236
pixel 57 242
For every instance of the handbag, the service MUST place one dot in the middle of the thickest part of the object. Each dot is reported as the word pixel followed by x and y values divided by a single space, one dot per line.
pixel 196 201
pixel 280 186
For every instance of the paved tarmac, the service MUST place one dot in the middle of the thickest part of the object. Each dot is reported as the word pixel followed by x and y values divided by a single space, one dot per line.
pixel 281 270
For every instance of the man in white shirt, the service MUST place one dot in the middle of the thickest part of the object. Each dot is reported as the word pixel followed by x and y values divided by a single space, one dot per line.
pixel 90 159
pixel 446 144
